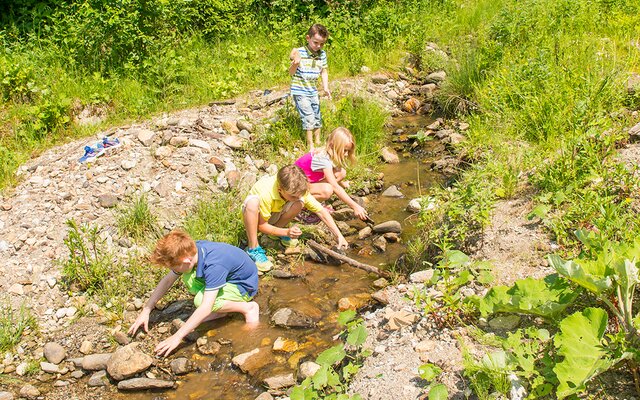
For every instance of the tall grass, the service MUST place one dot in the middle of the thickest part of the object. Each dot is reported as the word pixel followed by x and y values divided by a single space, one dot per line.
pixel 217 219
pixel 137 221
pixel 13 323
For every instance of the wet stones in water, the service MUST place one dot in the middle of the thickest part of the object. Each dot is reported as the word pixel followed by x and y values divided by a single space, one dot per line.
pixel 127 361
pixel 389 155
pixel 280 381
pixel 388 226
pixel 252 361
pixel 365 232
pixel 282 274
pixel 354 302
pixel 290 318
pixel 144 384
pixel 343 214
pixel 207 346
pixel 380 283
pixel 181 366
pixel 380 244
pixel 392 191
pixel 285 345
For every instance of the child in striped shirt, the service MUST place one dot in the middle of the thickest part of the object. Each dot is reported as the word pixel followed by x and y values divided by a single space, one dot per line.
pixel 307 64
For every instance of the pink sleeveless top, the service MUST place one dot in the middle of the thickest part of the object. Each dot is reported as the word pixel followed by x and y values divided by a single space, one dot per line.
pixel 304 163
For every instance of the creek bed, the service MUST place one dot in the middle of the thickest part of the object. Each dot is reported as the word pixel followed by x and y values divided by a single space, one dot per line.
pixel 316 294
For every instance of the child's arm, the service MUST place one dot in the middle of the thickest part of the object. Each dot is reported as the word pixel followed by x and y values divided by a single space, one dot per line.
pixel 331 224
pixel 295 61
pixel 324 75
pixel 268 229
pixel 330 177
pixel 143 318
pixel 203 311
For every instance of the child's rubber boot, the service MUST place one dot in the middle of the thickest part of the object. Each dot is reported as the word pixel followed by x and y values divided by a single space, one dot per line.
pixel 258 256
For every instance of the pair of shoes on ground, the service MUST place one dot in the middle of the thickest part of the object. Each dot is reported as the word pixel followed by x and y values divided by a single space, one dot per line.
pixel 259 256
pixel 91 153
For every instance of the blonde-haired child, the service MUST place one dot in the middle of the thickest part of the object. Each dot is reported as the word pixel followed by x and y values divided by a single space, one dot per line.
pixel 325 169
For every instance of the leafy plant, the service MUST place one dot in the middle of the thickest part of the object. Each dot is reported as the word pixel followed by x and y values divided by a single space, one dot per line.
pixel 430 372
pixel 338 364
pixel 217 218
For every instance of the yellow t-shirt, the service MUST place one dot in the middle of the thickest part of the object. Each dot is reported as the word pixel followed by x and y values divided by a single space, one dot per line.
pixel 270 201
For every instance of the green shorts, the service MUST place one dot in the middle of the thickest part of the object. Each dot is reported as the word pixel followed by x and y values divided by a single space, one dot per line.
pixel 229 292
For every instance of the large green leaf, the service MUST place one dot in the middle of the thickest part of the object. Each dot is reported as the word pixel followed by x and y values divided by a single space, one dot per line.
pixel 346 316
pixel 332 355
pixel 593 275
pixel 546 297
pixel 580 343
pixel 357 335
pixel 438 392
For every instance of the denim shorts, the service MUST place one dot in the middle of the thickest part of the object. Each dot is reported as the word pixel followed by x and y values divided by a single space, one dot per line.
pixel 309 109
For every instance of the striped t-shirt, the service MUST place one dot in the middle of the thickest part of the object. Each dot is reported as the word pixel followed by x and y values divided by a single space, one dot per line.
pixel 305 80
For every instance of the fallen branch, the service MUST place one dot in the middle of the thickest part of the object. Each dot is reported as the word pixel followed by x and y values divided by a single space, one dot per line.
pixel 334 254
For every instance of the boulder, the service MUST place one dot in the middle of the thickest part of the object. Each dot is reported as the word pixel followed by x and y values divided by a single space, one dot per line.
pixel 285 345
pixel 380 244
pixel 108 200
pixel 414 206
pixel 412 105
pixel 234 142
pixel 354 302
pixel 6 396
pixel 243 125
pixel 146 137
pixel 230 126
pixel 163 152
pixel 128 361
pixel 436 77
pixel 290 318
pixel 365 232
pixel 179 141
pixel 29 391
pixel 399 319
pixel 343 214
pixel 379 79
pixel 86 347
pixel 388 226
pixel 264 396
pixel 145 384
pixel 421 276
pixel 54 353
pixel 49 368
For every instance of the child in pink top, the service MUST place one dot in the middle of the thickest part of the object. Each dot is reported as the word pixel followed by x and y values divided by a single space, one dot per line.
pixel 325 169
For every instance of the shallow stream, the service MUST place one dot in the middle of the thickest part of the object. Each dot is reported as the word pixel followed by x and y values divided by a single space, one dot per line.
pixel 316 294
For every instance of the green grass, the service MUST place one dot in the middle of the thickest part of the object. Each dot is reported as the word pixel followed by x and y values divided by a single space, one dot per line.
pixel 13 323
pixel 137 221
pixel 217 219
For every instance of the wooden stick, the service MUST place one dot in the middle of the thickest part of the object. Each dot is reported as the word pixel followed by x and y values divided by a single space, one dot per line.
pixel 369 268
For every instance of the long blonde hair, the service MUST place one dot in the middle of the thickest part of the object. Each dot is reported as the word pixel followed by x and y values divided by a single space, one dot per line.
pixel 336 142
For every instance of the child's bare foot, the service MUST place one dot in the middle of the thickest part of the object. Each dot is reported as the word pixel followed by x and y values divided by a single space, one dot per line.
pixel 252 316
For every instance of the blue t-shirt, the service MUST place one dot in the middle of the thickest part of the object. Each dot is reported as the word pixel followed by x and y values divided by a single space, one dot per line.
pixel 219 263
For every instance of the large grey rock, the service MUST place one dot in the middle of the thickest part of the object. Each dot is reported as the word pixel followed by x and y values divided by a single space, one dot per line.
pixel 144 384
pixel 436 77
pixel 6 396
pixel 343 214
pixel 108 200
pixel 54 353
pixel 290 318
pixel 365 232
pixel 95 362
pixel 388 226
pixel 379 79
pixel 244 125
pixel 234 142
pixel 280 381
pixel 392 191
pixel 98 379
pixel 127 361
pixel 380 244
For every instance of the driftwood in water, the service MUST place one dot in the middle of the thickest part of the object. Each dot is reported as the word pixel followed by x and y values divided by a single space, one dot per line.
pixel 340 257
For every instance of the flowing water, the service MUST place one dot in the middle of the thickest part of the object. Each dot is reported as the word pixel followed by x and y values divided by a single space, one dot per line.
pixel 316 295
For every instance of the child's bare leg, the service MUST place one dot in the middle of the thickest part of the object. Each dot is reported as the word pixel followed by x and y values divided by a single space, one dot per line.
pixel 322 191
pixel 290 214
pixel 310 139
pixel 214 315
pixel 250 216
pixel 250 310
pixel 316 133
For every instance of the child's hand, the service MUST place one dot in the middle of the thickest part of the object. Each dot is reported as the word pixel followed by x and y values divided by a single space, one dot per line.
pixel 168 345
pixel 328 93
pixel 295 56
pixel 142 320
pixel 360 212
pixel 345 184
pixel 342 243
pixel 294 232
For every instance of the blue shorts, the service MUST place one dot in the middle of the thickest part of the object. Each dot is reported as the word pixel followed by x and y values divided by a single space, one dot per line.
pixel 309 109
